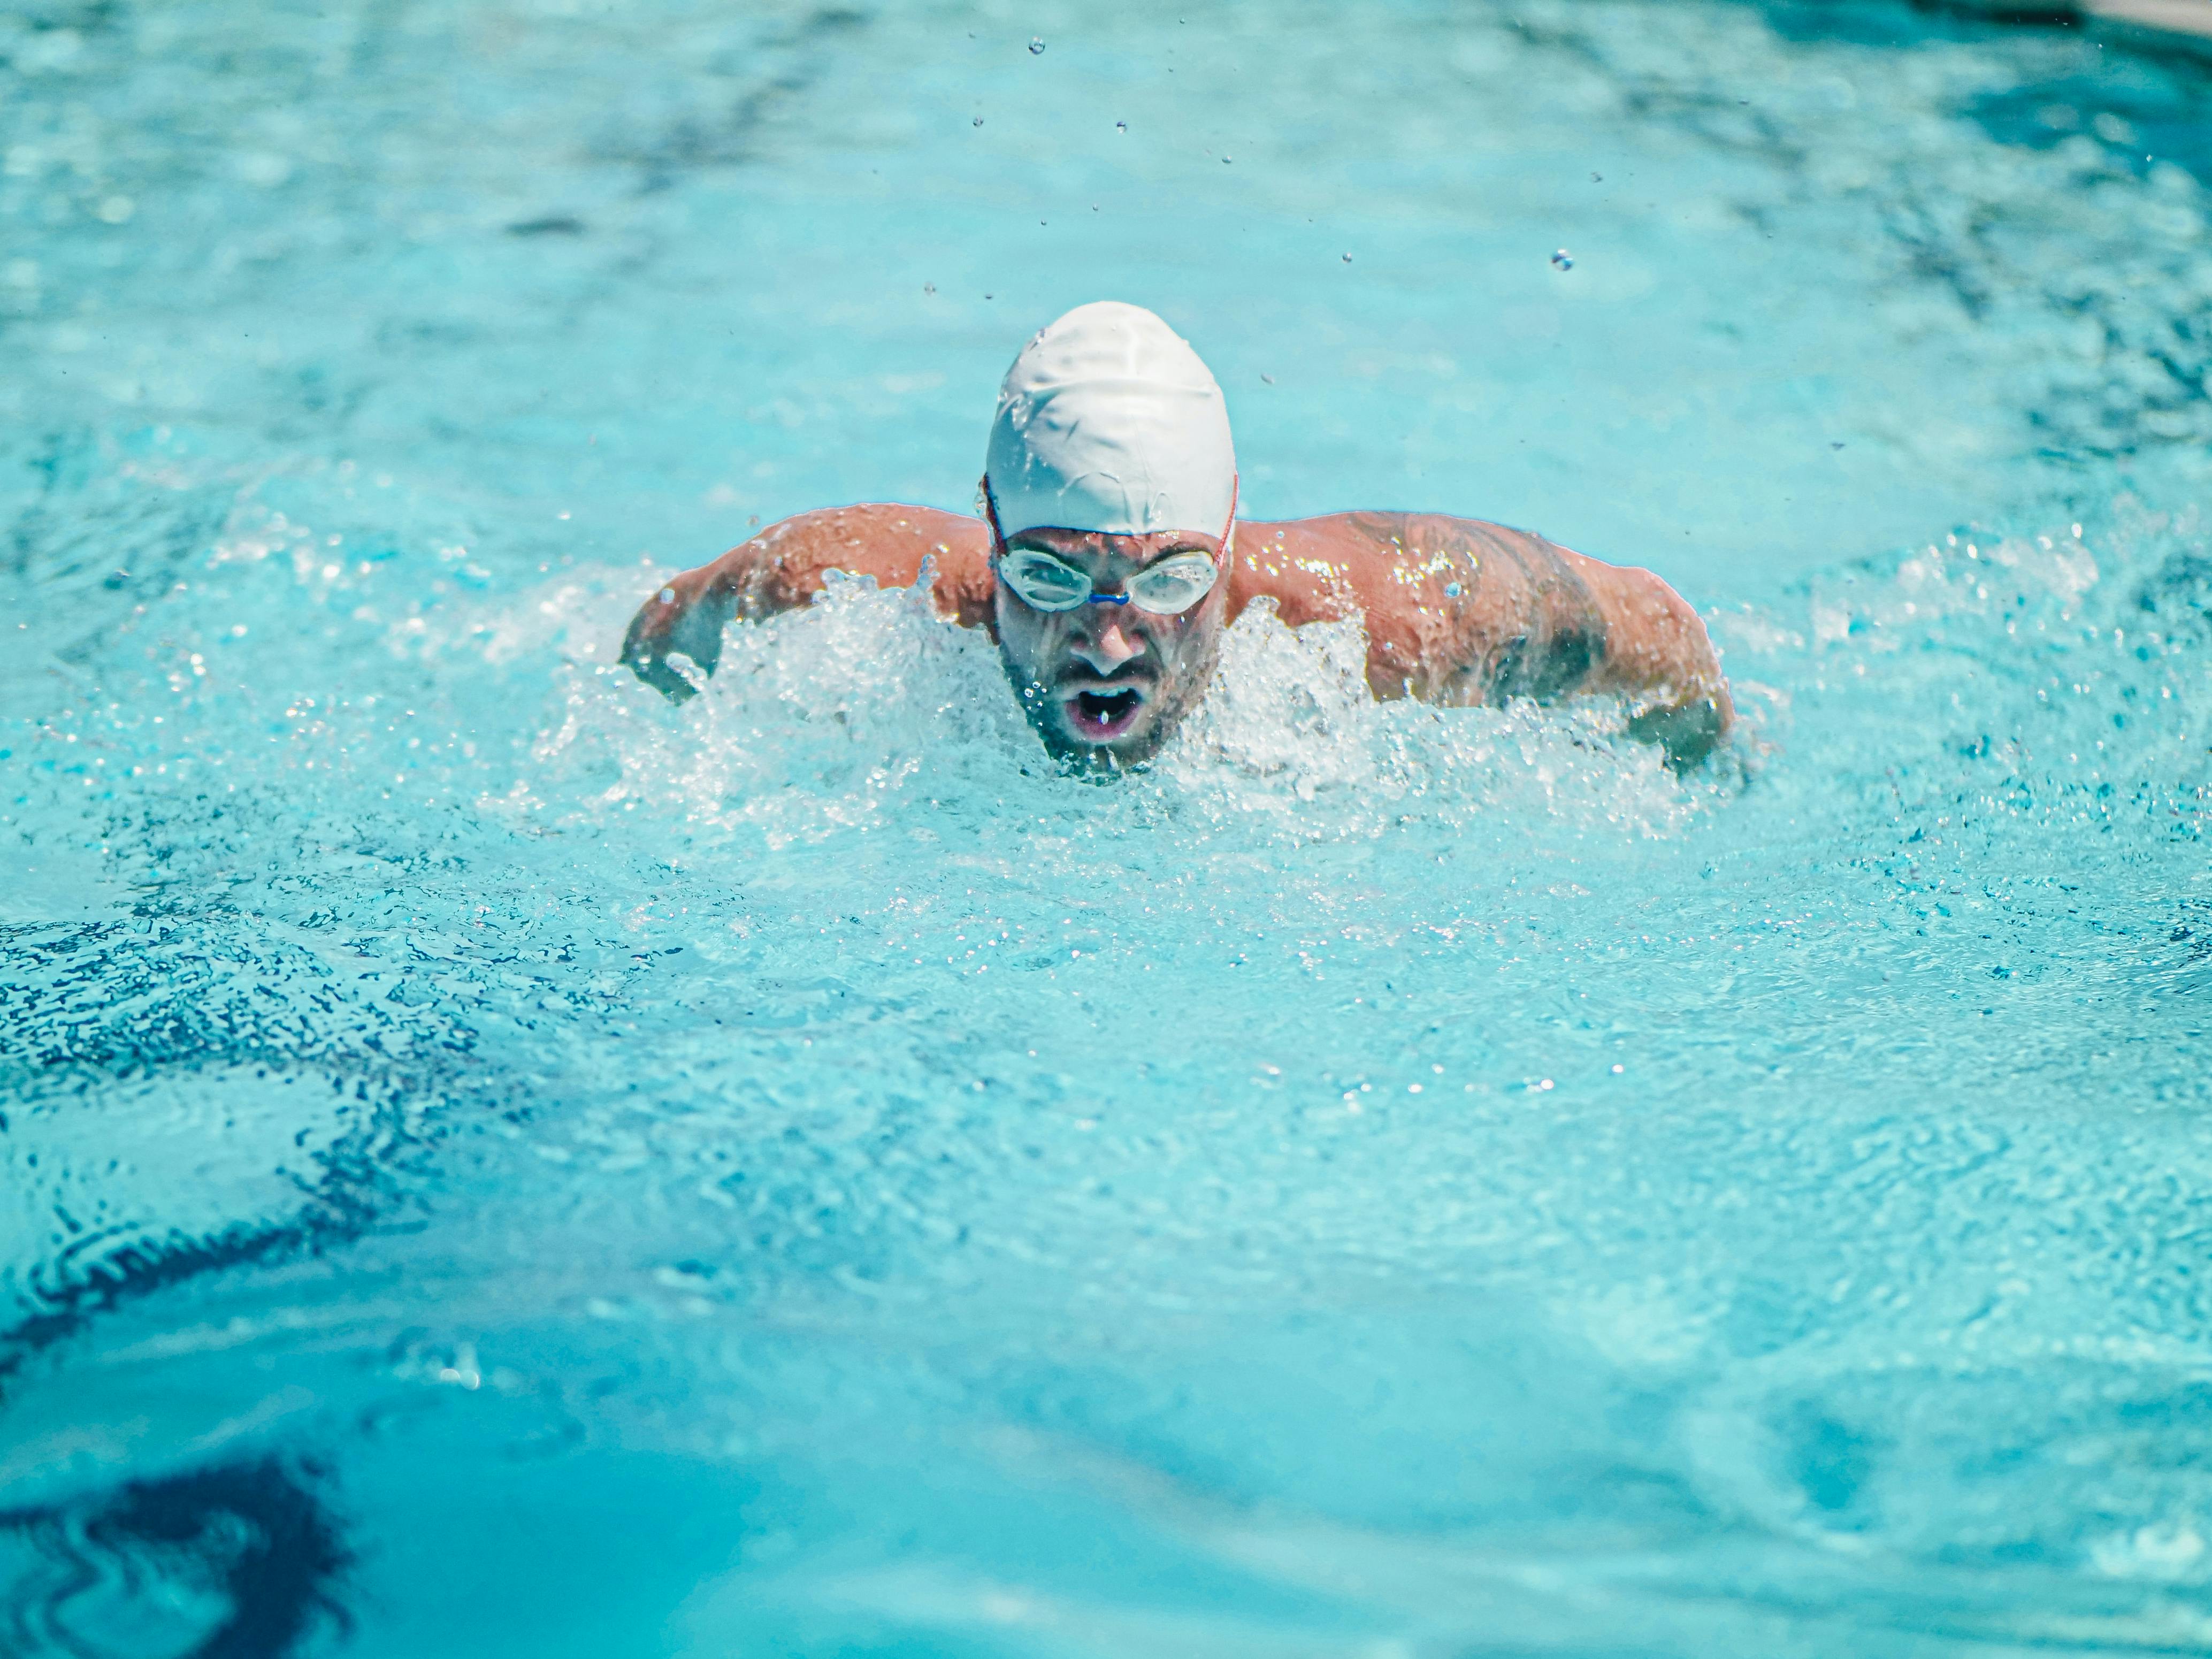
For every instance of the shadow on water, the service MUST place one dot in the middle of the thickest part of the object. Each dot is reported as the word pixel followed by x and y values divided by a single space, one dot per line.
pixel 2180 593
pixel 2139 110
pixel 732 133
pixel 2142 97
pixel 239 1561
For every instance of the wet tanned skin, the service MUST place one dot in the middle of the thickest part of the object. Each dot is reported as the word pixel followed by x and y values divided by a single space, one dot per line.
pixel 1456 611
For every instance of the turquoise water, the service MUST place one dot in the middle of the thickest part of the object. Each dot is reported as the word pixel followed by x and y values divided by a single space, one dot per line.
pixel 497 1163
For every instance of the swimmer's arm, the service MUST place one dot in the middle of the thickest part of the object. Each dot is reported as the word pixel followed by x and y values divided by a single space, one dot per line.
pixel 1658 659
pixel 783 567
pixel 1481 613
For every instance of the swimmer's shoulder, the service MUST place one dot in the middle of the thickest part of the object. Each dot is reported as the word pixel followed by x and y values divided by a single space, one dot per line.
pixel 1311 568
pixel 1337 564
pixel 889 541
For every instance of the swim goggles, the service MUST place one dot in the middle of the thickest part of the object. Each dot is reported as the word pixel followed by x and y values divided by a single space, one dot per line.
pixel 1043 582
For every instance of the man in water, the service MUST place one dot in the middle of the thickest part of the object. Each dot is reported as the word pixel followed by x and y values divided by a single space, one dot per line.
pixel 1109 558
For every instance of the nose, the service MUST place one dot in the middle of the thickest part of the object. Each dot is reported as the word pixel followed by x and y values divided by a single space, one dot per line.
pixel 1107 648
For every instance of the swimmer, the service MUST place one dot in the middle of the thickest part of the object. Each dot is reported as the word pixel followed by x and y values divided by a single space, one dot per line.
pixel 1108 557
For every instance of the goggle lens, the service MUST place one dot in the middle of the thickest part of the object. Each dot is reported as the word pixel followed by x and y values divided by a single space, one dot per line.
pixel 1043 581
pixel 1166 589
pixel 1173 586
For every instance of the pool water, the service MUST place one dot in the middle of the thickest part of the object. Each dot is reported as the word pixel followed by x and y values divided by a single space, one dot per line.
pixel 499 1164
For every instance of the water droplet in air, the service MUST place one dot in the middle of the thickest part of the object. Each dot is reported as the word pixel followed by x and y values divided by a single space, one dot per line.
pixel 1121 126
pixel 1562 260
pixel 979 120
pixel 1036 44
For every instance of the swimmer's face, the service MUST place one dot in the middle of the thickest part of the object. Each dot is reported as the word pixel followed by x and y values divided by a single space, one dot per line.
pixel 1108 682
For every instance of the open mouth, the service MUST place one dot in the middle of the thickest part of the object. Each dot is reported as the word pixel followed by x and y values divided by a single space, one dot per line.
pixel 1102 716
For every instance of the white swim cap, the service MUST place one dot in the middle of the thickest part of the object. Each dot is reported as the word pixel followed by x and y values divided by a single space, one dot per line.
pixel 1109 420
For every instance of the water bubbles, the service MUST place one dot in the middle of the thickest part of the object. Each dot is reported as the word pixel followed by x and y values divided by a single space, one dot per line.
pixel 929 288
pixel 1224 161
pixel 1121 126
pixel 1563 259
pixel 1451 590
pixel 979 120
pixel 1597 178
pixel 1036 44
pixel 1347 258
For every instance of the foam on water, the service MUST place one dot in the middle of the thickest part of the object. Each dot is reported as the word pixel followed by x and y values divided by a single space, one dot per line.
pixel 827 720
pixel 498 1161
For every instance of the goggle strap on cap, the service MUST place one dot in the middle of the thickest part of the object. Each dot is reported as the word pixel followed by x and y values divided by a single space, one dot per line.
pixel 990 502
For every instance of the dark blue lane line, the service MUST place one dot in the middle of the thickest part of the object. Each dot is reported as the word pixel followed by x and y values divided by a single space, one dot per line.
pixel 258 1532
pixel 90 1006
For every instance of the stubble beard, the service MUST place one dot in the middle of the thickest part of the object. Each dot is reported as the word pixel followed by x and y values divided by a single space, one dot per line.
pixel 1171 699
